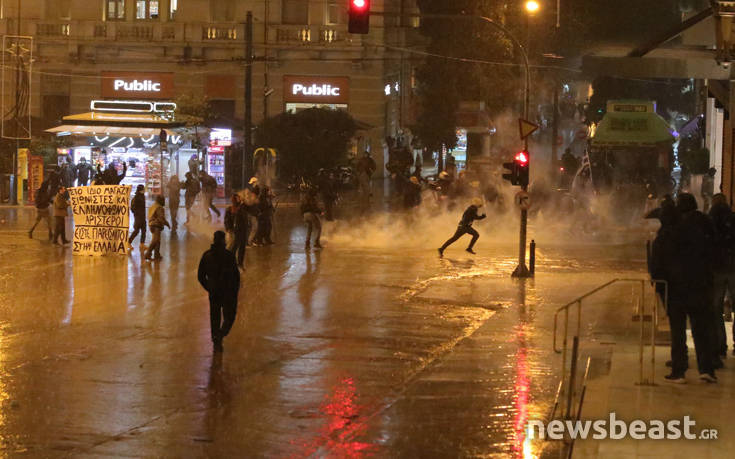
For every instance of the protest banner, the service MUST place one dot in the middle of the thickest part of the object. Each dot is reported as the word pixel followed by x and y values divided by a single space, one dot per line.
pixel 101 219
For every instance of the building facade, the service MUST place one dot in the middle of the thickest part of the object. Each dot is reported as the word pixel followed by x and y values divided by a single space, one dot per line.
pixel 85 50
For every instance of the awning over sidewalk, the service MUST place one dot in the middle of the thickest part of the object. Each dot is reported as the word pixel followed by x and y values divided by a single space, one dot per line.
pixel 115 125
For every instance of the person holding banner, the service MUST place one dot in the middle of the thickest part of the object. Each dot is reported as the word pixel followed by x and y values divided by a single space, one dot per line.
pixel 220 277
pixel 61 204
pixel 156 222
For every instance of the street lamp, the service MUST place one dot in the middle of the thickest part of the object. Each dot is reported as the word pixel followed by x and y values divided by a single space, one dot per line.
pixel 532 6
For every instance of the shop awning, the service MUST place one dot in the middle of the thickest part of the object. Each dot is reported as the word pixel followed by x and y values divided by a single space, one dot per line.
pixel 115 125
pixel 632 129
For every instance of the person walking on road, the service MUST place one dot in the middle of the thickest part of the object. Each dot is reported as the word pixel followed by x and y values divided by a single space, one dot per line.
pixel 43 201
pixel 219 276
pixel 174 198
pixel 236 225
pixel 137 207
pixel 209 189
pixel 310 211
pixel 61 204
pixel 192 187
pixel 465 227
pixel 156 222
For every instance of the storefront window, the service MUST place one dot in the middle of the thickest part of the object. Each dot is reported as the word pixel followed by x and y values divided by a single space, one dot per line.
pixel 115 9
pixel 146 9
pixel 335 12
pixel 295 12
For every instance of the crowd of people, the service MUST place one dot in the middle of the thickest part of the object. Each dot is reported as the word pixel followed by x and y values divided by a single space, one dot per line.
pixel 694 253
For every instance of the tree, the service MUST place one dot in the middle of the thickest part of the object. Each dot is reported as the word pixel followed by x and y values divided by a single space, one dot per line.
pixel 194 110
pixel 308 140
pixel 453 71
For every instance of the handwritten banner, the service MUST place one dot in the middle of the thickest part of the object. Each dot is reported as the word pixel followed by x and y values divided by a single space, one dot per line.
pixel 101 219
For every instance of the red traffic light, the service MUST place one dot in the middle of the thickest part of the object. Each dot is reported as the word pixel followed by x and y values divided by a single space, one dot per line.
pixel 522 158
pixel 359 16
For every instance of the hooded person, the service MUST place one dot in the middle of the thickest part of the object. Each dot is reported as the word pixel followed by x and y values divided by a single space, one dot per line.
pixel 310 212
pixel 192 189
pixel 465 227
pixel 723 220
pixel 156 222
pixel 43 200
pixel 690 276
pixel 137 207
pixel 84 172
pixel 219 276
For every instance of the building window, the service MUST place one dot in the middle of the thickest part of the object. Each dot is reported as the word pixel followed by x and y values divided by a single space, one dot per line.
pixel 58 9
pixel 222 10
pixel 146 9
pixel 336 13
pixel 295 12
pixel 115 9
pixel 173 6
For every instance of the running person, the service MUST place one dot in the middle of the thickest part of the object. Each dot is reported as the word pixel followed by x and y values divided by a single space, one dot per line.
pixel 465 227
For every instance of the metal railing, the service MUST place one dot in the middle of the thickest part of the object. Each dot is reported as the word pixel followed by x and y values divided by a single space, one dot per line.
pixel 568 383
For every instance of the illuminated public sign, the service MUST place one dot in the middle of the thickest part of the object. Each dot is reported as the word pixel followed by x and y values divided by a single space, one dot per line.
pixel 138 85
pixel 135 85
pixel 316 89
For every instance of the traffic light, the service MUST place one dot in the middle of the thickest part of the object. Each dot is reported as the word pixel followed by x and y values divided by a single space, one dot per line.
pixel 522 161
pixel 512 175
pixel 518 169
pixel 359 13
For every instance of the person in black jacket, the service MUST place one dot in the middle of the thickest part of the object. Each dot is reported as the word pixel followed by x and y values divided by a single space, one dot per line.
pixel 43 212
pixel 690 278
pixel 83 171
pixel 723 220
pixel 465 227
pixel 220 277
pixel 137 207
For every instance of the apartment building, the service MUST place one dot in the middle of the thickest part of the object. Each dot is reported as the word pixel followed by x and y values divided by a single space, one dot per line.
pixel 85 50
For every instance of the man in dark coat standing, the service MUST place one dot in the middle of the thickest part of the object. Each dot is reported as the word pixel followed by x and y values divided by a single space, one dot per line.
pixel 690 277
pixel 220 277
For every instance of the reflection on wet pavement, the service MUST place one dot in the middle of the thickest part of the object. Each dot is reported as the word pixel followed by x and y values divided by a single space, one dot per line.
pixel 347 352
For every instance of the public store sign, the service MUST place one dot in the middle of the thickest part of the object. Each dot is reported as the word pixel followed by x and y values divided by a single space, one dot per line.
pixel 101 219
pixel 329 90
pixel 138 85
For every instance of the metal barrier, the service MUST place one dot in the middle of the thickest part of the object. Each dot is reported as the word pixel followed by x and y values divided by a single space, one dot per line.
pixel 568 383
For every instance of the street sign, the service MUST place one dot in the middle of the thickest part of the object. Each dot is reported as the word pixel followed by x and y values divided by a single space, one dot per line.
pixel 523 200
pixel 526 128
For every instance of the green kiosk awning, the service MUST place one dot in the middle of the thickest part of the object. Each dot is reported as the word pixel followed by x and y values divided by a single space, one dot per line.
pixel 632 123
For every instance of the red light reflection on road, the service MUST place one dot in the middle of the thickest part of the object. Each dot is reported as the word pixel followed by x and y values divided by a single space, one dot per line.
pixel 521 444
pixel 343 424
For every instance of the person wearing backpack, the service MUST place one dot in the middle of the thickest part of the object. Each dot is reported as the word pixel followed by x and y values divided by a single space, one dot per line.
pixel 43 201
pixel 723 220
pixel 156 222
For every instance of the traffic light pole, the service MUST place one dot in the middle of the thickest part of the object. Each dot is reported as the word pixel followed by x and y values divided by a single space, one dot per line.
pixel 522 269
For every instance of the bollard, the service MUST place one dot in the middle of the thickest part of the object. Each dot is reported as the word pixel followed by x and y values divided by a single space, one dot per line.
pixel 532 258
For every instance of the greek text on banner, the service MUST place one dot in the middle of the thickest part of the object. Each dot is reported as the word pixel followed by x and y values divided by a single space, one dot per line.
pixel 101 219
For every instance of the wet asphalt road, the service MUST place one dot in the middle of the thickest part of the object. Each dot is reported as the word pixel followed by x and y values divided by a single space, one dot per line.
pixel 366 348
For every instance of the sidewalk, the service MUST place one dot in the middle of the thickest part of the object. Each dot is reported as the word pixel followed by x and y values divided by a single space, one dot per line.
pixel 710 405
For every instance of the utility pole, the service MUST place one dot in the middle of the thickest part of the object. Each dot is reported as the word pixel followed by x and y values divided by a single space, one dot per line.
pixel 266 89
pixel 248 127
pixel 14 185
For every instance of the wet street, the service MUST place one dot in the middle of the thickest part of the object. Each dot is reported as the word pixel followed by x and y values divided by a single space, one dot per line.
pixel 372 347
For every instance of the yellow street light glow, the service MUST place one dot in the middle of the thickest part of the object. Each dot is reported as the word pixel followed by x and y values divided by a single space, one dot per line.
pixel 532 6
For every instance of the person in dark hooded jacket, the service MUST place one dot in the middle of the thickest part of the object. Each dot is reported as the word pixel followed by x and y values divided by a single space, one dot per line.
pixel 219 276
pixel 137 207
pixel 465 227
pixel 690 287
pixel 723 220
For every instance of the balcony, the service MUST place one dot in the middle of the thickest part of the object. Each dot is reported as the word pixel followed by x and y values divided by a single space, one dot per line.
pixel 220 32
pixel 60 29
pixel 310 34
